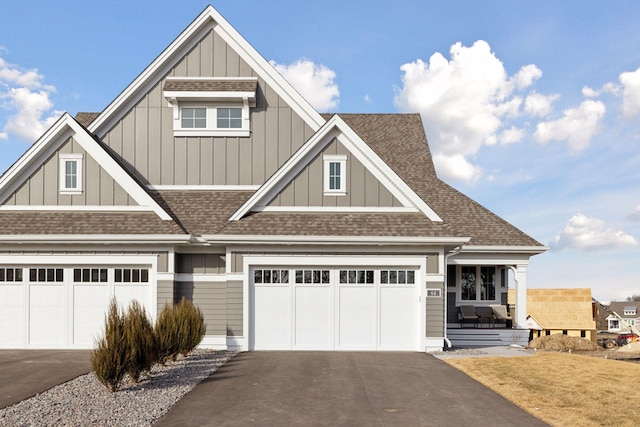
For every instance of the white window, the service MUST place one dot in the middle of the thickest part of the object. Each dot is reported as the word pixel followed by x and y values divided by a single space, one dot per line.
pixel 335 175
pixel 194 118
pixel 71 173
pixel 229 118
pixel 212 120
pixel 614 324
pixel 629 311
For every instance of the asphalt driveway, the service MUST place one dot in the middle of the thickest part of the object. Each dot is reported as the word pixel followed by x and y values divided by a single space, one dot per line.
pixel 25 373
pixel 336 388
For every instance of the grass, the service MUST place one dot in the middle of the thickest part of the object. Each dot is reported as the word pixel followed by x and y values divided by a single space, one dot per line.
pixel 563 389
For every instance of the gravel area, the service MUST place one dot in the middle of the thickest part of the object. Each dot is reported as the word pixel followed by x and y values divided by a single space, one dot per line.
pixel 84 401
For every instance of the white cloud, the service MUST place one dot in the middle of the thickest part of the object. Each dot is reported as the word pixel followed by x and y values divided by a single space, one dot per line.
pixel 630 93
pixel 511 135
pixel 589 92
pixel 635 215
pixel 465 102
pixel 539 105
pixel 577 126
pixel 591 234
pixel 24 94
pixel 314 82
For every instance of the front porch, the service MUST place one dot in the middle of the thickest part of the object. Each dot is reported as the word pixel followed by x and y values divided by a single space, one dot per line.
pixel 486 337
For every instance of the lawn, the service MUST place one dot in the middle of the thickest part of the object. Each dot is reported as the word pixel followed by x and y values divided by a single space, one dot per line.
pixel 563 389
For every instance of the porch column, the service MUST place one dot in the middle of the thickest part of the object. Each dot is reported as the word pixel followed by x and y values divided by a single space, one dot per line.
pixel 520 273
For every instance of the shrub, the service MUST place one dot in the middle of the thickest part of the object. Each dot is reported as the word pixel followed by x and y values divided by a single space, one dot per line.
pixel 109 359
pixel 179 329
pixel 140 342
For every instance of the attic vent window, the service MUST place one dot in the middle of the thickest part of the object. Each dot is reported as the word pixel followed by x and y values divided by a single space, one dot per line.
pixel 70 173
pixel 211 106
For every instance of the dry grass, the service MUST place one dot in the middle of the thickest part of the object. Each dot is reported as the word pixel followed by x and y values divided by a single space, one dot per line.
pixel 563 389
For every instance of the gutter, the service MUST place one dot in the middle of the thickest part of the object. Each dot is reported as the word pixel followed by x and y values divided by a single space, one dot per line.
pixel 446 257
pixel 331 240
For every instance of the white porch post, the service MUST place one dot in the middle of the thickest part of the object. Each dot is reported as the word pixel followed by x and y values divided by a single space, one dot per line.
pixel 520 273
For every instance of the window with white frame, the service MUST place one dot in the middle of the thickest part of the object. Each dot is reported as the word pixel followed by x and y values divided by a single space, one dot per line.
pixel 212 120
pixel 629 311
pixel 477 283
pixel 70 173
pixel 613 324
pixel 335 175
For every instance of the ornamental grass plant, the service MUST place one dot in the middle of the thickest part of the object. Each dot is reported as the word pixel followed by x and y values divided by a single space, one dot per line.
pixel 109 358
pixel 140 341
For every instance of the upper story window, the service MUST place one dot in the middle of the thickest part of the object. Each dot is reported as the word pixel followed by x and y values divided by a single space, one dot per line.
pixel 70 173
pixel 211 106
pixel 335 175
pixel 630 311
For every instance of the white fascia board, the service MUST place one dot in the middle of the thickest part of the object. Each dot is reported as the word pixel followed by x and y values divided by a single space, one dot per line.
pixel 94 238
pixel 59 130
pixel 211 18
pixel 332 240
pixel 277 181
pixel 383 172
pixel 208 95
pixel 534 250
pixel 76 208
pixel 116 171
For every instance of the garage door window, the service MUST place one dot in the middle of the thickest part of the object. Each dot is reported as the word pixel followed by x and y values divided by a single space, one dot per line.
pixel 131 275
pixel 271 276
pixel 90 275
pixel 46 274
pixel 312 276
pixel 400 277
pixel 356 276
pixel 10 275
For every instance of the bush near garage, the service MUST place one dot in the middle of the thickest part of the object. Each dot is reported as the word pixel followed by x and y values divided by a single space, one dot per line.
pixel 179 329
pixel 109 358
pixel 140 341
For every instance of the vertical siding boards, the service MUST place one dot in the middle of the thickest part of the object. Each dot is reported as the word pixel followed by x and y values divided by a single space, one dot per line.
pixel 42 187
pixel 307 188
pixel 144 137
pixel 200 263
pixel 211 298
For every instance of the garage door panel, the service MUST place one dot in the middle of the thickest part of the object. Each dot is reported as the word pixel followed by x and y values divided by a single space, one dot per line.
pixel 398 318
pixel 313 313
pixel 356 318
pixel 272 318
pixel 47 316
pixel 90 303
pixel 12 314
pixel 126 293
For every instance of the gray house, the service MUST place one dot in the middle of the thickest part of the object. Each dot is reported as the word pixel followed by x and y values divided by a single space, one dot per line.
pixel 210 177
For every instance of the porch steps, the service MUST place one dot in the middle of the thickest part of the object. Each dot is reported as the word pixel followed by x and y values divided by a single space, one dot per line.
pixel 461 337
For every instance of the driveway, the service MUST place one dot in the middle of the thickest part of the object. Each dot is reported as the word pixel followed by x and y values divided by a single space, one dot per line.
pixel 25 373
pixel 336 388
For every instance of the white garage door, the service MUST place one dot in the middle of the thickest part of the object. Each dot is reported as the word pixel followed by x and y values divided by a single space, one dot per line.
pixel 334 309
pixel 63 307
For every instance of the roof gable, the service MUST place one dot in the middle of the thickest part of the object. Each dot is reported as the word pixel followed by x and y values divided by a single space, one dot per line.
pixel 208 20
pixel 335 128
pixel 57 135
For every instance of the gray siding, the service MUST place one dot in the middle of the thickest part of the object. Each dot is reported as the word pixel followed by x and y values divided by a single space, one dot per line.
pixel 435 314
pixel 200 263
pixel 211 298
pixel 307 189
pixel 432 264
pixel 165 293
pixel 144 137
pixel 42 187
pixel 234 308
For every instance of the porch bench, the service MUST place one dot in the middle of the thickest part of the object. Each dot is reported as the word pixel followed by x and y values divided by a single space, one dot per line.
pixel 467 313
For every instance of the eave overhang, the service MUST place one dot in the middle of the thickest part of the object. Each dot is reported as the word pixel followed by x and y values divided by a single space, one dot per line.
pixel 333 240
pixel 107 239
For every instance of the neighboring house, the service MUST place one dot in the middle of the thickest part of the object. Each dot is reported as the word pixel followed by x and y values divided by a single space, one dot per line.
pixel 210 177
pixel 629 311
pixel 561 311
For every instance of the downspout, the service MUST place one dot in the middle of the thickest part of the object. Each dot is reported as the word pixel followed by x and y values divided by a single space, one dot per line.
pixel 446 284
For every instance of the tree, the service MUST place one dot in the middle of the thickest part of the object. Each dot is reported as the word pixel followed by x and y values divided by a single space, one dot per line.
pixel 634 298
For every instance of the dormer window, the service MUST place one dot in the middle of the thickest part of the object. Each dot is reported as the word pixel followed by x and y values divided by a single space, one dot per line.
pixel 630 311
pixel 211 106
pixel 335 175
pixel 70 173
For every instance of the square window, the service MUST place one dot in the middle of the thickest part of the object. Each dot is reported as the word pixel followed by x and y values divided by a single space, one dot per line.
pixel 194 118
pixel 229 118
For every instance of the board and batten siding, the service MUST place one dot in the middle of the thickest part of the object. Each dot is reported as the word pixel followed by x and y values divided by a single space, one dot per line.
pixel 362 188
pixel 211 298
pixel 200 263
pixel 43 186
pixel 144 136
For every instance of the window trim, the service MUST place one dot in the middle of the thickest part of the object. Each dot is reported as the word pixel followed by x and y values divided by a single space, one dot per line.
pixel 211 128
pixel 328 160
pixel 478 301
pixel 77 158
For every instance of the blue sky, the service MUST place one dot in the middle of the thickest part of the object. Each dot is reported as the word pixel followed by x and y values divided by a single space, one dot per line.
pixel 531 108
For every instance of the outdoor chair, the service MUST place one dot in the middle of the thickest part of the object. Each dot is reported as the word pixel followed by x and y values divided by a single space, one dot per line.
pixel 468 313
pixel 500 313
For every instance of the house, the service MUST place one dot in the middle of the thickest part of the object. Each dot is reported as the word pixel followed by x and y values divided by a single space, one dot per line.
pixel 628 310
pixel 209 177
pixel 568 311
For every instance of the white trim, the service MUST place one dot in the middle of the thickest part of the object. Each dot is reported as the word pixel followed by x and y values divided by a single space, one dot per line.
pixel 208 19
pixel 335 127
pixel 198 277
pixel 330 240
pixel 236 343
pixel 504 249
pixel 76 208
pixel 433 344
pixel 215 342
pixel 204 187
pixel 95 238
pixel 361 209
pixel 211 117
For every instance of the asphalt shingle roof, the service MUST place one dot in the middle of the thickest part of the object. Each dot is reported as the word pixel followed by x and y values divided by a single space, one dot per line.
pixel 198 85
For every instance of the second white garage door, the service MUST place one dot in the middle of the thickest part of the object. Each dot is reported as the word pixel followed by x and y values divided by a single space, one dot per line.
pixel 334 309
